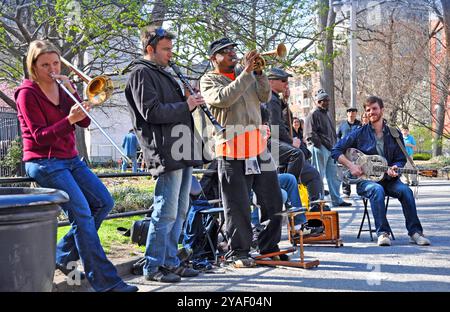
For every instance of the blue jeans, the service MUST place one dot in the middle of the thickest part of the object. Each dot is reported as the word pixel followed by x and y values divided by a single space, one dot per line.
pixel 326 166
pixel 134 164
pixel 376 192
pixel 90 202
pixel 170 206
pixel 289 192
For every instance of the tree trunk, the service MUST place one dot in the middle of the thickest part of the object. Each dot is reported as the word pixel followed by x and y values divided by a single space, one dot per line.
pixel 327 18
pixel 158 13
pixel 81 143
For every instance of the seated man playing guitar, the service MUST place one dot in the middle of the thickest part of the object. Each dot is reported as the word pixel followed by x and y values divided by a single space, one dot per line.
pixel 376 138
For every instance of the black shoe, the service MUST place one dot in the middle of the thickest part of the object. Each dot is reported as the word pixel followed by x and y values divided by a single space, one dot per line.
pixel 316 208
pixel 312 228
pixel 124 287
pixel 163 275
pixel 326 193
pixel 345 204
pixel 282 257
pixel 242 262
pixel 347 194
pixel 72 272
pixel 201 264
pixel 183 271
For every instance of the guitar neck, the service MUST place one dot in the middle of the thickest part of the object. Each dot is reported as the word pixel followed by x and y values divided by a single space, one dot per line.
pixel 399 170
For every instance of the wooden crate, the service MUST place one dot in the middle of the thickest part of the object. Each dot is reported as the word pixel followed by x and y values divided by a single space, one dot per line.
pixel 331 233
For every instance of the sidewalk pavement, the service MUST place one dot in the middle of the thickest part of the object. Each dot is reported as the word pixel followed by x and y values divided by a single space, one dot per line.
pixel 360 265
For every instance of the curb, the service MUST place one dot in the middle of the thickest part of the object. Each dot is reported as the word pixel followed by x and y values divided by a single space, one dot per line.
pixel 123 268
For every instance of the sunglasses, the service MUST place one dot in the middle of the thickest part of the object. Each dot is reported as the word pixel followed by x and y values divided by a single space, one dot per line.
pixel 227 50
pixel 159 33
pixel 283 80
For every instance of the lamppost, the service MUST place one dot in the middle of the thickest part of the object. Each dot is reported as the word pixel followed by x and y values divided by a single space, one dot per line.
pixel 344 6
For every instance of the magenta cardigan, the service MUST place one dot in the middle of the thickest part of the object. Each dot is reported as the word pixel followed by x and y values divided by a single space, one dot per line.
pixel 46 131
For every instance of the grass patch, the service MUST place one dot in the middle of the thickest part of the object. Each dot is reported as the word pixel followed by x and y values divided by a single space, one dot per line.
pixel 110 238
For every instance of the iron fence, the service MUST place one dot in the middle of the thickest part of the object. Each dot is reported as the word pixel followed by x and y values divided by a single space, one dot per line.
pixel 9 131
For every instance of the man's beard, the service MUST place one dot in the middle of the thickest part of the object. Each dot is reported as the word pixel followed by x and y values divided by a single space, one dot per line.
pixel 378 117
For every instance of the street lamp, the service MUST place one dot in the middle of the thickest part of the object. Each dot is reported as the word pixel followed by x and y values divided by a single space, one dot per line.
pixel 344 6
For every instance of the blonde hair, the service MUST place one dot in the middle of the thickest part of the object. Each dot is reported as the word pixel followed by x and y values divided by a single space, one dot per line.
pixel 36 48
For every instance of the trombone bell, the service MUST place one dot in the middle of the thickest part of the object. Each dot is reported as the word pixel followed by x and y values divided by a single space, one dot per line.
pixel 99 89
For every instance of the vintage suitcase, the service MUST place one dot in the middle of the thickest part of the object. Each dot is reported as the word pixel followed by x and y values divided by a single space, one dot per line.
pixel 330 235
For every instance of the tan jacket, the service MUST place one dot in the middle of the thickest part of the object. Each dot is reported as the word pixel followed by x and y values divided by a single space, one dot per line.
pixel 235 103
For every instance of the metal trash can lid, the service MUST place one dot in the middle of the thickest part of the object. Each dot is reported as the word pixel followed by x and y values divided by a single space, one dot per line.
pixel 24 197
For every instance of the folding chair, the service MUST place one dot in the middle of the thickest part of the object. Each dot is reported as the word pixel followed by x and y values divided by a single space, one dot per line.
pixel 366 214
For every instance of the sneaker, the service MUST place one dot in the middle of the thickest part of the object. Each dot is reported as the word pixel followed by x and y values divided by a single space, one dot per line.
pixel 384 240
pixel 414 183
pixel 183 271
pixel 419 239
pixel 163 275
pixel 313 227
pixel 124 287
pixel 243 262
pixel 344 204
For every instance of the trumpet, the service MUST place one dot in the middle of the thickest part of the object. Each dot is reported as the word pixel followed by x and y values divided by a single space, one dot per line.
pixel 279 52
pixel 98 90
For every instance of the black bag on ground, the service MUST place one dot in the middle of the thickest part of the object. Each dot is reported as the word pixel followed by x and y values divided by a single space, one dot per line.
pixel 139 231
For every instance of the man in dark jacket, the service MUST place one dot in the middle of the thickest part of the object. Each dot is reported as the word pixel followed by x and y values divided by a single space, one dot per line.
pixel 345 128
pixel 162 120
pixel 375 138
pixel 320 134
pixel 292 151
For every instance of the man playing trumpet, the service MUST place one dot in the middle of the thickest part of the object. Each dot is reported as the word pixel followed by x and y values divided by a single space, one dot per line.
pixel 234 92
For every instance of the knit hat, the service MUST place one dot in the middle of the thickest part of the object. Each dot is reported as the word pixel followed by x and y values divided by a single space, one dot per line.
pixel 321 95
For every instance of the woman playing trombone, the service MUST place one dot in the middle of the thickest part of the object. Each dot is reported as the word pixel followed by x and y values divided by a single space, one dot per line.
pixel 47 118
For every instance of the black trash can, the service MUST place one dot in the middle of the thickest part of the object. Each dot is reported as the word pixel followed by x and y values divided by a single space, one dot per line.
pixel 28 224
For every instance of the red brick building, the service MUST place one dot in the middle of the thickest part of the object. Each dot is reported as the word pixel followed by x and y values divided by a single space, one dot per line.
pixel 437 58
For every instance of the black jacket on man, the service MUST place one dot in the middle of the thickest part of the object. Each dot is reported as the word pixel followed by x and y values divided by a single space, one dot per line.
pixel 319 129
pixel 276 117
pixel 160 118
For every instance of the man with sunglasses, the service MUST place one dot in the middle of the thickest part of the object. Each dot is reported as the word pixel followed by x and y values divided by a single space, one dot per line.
pixel 161 117
pixel 234 93
pixel 321 136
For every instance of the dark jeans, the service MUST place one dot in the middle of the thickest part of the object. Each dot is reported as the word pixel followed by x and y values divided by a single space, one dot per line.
pixel 291 157
pixel 294 161
pixel 394 188
pixel 310 177
pixel 346 188
pixel 235 187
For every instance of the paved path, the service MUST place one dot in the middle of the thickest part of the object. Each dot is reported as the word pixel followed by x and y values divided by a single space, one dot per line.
pixel 360 265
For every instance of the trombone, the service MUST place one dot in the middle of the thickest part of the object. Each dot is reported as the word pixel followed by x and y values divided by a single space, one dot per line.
pixel 98 90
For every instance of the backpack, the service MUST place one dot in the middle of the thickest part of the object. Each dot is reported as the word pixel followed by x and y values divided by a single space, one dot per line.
pixel 196 228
